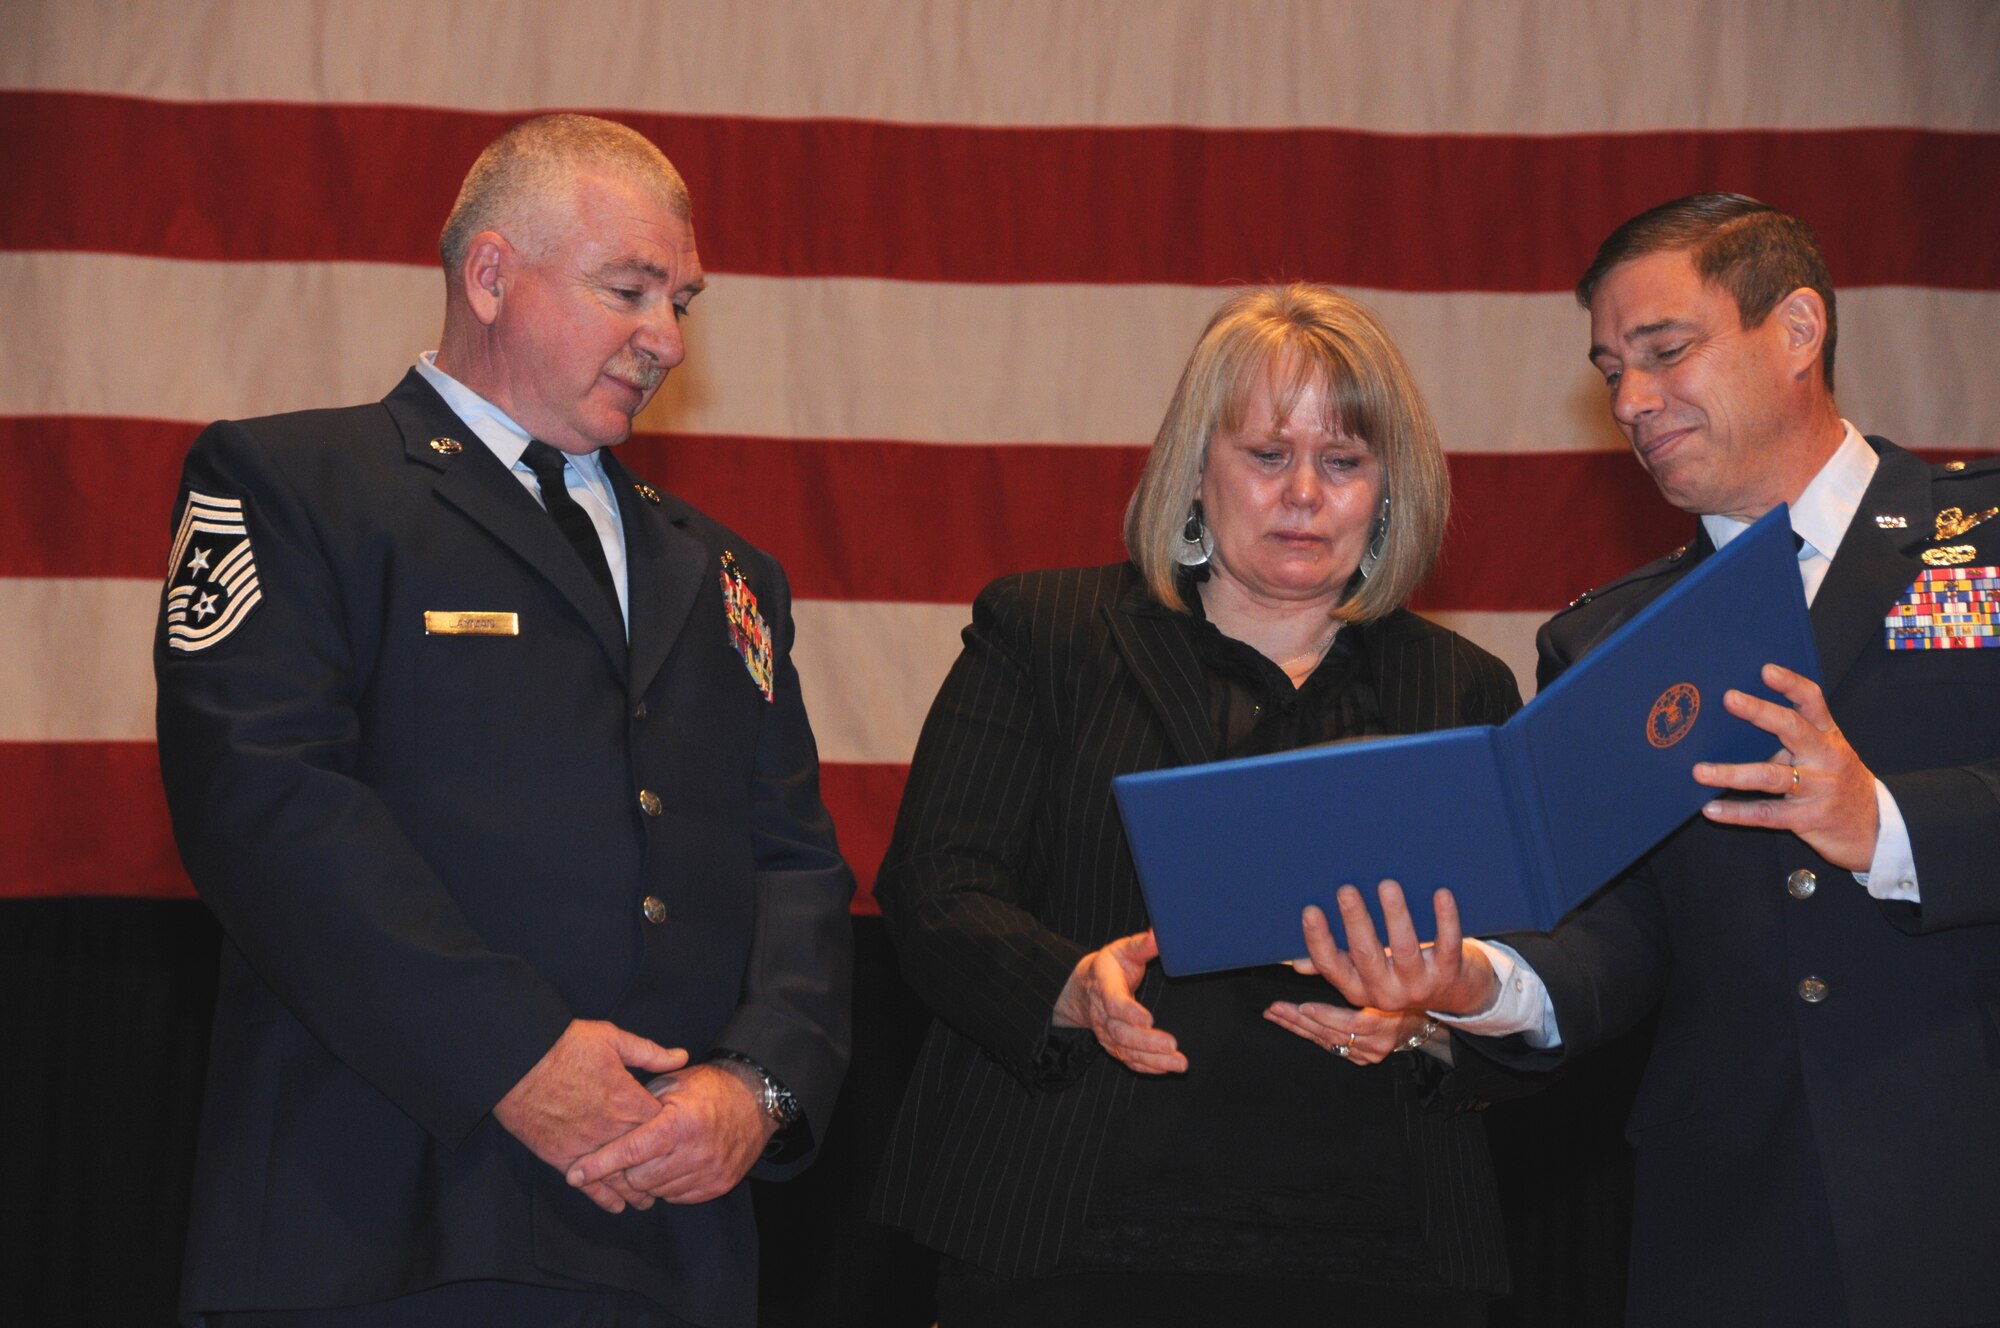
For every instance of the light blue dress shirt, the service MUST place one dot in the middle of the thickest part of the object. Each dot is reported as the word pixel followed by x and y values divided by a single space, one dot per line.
pixel 583 475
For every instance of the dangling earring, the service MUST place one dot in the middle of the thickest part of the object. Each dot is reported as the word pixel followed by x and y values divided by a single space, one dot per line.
pixel 1378 540
pixel 1196 545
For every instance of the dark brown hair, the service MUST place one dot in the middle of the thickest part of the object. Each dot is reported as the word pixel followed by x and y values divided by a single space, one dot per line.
pixel 1750 249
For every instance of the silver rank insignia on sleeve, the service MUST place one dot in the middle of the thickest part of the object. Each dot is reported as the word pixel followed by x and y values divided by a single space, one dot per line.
pixel 211 575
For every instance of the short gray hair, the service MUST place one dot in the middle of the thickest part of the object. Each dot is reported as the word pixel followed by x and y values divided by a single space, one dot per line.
pixel 1315 335
pixel 521 174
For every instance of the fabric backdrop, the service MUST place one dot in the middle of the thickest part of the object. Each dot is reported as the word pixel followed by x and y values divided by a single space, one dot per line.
pixel 958 253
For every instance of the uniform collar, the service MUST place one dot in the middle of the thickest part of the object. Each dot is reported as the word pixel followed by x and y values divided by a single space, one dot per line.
pixel 494 427
pixel 1827 506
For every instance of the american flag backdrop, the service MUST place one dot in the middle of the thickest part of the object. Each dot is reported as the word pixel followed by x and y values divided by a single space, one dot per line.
pixel 958 252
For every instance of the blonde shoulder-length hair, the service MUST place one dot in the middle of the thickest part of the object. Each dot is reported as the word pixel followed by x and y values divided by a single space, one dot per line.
pixel 1300 335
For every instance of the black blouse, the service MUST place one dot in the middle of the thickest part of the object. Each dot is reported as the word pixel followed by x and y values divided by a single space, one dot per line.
pixel 1269 1157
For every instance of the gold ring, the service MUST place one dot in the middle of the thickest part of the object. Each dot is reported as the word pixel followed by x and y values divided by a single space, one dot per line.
pixel 1795 779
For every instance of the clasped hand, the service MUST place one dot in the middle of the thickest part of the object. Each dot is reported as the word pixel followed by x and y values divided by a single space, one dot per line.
pixel 581 1111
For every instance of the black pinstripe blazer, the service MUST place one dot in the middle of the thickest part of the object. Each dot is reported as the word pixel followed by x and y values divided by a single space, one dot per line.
pixel 1009 863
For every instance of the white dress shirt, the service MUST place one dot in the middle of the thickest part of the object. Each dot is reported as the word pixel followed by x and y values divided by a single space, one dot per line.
pixel 1820 518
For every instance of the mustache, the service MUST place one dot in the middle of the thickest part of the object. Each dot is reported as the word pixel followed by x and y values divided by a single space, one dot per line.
pixel 643 373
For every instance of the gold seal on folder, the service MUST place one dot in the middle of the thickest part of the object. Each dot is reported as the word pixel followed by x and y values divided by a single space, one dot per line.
pixel 1673 715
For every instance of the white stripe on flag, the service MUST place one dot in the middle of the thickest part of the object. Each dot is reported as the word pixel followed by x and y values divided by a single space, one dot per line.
pixel 920 362
pixel 1445 66
pixel 869 670
pixel 78 659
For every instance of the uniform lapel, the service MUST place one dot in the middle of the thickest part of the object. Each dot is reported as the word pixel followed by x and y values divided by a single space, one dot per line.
pixel 472 480
pixel 664 567
pixel 1155 648
pixel 1874 566
pixel 1697 549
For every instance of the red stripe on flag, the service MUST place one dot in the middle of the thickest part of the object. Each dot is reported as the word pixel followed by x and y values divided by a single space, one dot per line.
pixel 903 521
pixel 1530 531
pixel 863 800
pixel 895 521
pixel 86 818
pixel 241 181
pixel 90 818
pixel 102 498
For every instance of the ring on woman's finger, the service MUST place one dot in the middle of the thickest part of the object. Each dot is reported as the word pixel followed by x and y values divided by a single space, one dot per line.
pixel 1795 780
pixel 1345 1049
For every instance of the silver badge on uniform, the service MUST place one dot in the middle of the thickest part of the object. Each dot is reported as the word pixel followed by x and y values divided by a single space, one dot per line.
pixel 211 575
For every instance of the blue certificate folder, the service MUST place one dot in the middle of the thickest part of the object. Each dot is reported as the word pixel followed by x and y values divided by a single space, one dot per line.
pixel 1522 821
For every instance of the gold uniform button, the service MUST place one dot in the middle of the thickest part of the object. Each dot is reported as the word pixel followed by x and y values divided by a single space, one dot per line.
pixel 1801 884
pixel 653 910
pixel 649 802
pixel 1954 465
pixel 639 711
pixel 1812 990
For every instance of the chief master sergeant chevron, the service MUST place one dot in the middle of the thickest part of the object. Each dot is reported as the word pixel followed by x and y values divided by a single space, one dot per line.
pixel 492 762
pixel 1818 1131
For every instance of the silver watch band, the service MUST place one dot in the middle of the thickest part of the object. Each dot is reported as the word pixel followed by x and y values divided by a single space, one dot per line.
pixel 778 1102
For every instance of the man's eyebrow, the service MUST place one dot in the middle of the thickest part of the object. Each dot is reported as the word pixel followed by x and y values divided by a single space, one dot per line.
pixel 634 265
pixel 644 267
pixel 1654 328
pixel 1658 326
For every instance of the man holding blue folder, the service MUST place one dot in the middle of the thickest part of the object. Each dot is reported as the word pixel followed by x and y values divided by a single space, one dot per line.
pixel 1818 1133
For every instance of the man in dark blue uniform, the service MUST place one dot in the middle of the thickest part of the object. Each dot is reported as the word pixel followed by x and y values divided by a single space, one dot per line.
pixel 1818 1132
pixel 491 760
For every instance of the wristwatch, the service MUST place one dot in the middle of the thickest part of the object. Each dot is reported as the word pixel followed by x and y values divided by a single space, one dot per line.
pixel 778 1101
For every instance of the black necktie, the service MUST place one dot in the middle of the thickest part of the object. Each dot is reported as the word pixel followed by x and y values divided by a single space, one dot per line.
pixel 547 463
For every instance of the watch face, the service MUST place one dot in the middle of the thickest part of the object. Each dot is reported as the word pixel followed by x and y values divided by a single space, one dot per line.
pixel 776 1100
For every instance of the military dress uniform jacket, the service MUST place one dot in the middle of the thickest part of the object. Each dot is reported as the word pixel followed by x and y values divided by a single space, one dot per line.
pixel 1818 1129
pixel 1009 863
pixel 430 851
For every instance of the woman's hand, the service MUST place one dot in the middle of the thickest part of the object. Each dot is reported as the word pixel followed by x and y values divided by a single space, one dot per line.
pixel 1365 1036
pixel 1098 996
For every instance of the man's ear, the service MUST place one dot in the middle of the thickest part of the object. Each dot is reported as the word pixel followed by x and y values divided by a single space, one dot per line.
pixel 1801 316
pixel 489 262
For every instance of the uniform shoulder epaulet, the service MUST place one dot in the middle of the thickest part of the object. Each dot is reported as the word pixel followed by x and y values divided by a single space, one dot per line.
pixel 1981 467
pixel 1646 572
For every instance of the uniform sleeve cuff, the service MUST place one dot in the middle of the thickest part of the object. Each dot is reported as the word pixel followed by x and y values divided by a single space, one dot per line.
pixel 1892 872
pixel 1523 1005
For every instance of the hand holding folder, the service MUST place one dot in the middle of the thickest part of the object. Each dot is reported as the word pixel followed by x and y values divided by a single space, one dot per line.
pixel 1521 822
pixel 1821 791
pixel 1401 974
pixel 1835 815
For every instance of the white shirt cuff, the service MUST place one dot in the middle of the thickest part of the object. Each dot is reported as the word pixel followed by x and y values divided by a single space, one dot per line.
pixel 1523 1005
pixel 1892 872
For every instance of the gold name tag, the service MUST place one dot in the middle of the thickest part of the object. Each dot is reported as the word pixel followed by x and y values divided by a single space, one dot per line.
pixel 439 623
